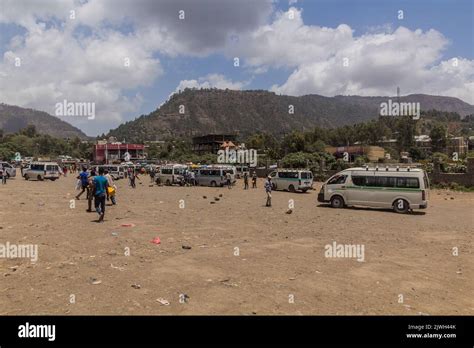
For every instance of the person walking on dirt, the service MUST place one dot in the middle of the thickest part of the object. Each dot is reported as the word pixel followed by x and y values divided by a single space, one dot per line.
pixel 254 179
pixel 100 191
pixel 268 190
pixel 152 175
pixel 228 180
pixel 133 176
pixel 83 177
pixel 246 181
pixel 3 175
pixel 130 173
pixel 90 191
pixel 111 188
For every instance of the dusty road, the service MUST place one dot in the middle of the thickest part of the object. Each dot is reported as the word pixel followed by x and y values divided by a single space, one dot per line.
pixel 244 258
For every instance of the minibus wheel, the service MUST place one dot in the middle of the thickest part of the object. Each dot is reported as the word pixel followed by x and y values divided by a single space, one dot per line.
pixel 39 177
pixel 291 188
pixel 213 184
pixel 168 183
pixel 337 202
pixel 274 186
pixel 401 206
pixel 26 177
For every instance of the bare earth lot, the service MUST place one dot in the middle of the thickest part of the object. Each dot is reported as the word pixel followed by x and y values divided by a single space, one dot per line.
pixel 281 256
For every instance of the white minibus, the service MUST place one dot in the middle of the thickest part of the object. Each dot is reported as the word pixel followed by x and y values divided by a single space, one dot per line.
pixel 292 179
pixel 214 175
pixel 8 169
pixel 401 189
pixel 42 171
pixel 171 174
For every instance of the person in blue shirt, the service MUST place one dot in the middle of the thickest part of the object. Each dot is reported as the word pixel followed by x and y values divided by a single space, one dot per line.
pixel 268 190
pixel 100 185
pixel 84 182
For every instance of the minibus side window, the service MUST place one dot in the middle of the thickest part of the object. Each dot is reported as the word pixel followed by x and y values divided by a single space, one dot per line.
pixel 358 180
pixel 340 179
pixel 370 181
pixel 37 167
pixel 385 181
pixel 306 175
pixel 408 182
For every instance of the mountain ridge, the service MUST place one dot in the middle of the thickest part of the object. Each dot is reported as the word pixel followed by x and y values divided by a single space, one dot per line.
pixel 195 112
pixel 13 118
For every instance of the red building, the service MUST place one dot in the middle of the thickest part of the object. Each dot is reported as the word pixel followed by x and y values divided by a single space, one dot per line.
pixel 116 152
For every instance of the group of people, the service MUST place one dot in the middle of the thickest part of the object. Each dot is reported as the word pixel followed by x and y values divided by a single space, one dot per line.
pixel 190 178
pixel 246 180
pixel 98 187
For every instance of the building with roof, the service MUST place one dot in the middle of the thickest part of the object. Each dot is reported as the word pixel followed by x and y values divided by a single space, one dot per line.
pixel 108 153
pixel 212 143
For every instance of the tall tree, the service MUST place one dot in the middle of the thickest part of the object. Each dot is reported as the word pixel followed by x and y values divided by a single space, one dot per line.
pixel 438 137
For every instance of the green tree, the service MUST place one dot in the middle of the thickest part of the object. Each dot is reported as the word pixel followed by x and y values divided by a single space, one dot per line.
pixel 438 137
pixel 293 142
pixel 29 131
pixel 405 130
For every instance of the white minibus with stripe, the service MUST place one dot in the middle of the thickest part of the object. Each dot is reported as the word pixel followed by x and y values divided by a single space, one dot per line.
pixel 402 189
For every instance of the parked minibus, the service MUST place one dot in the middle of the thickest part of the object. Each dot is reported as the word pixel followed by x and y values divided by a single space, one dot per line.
pixel 401 189
pixel 214 175
pixel 292 179
pixel 8 169
pixel 116 171
pixel 171 174
pixel 42 171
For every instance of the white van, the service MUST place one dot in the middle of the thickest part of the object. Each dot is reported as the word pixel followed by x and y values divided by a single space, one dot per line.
pixel 401 189
pixel 42 171
pixel 8 169
pixel 116 171
pixel 171 174
pixel 292 180
pixel 214 175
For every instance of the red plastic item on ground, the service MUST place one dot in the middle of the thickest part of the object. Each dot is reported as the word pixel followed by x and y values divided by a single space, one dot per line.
pixel 156 240
pixel 128 225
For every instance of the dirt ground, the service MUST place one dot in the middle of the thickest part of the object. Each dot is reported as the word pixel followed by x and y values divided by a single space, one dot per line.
pixel 245 258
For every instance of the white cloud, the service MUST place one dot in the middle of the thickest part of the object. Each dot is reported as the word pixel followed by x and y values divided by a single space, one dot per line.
pixel 211 81
pixel 82 58
pixel 378 61
pixel 56 66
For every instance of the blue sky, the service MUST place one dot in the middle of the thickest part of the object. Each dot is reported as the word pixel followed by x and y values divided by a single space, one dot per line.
pixel 293 49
